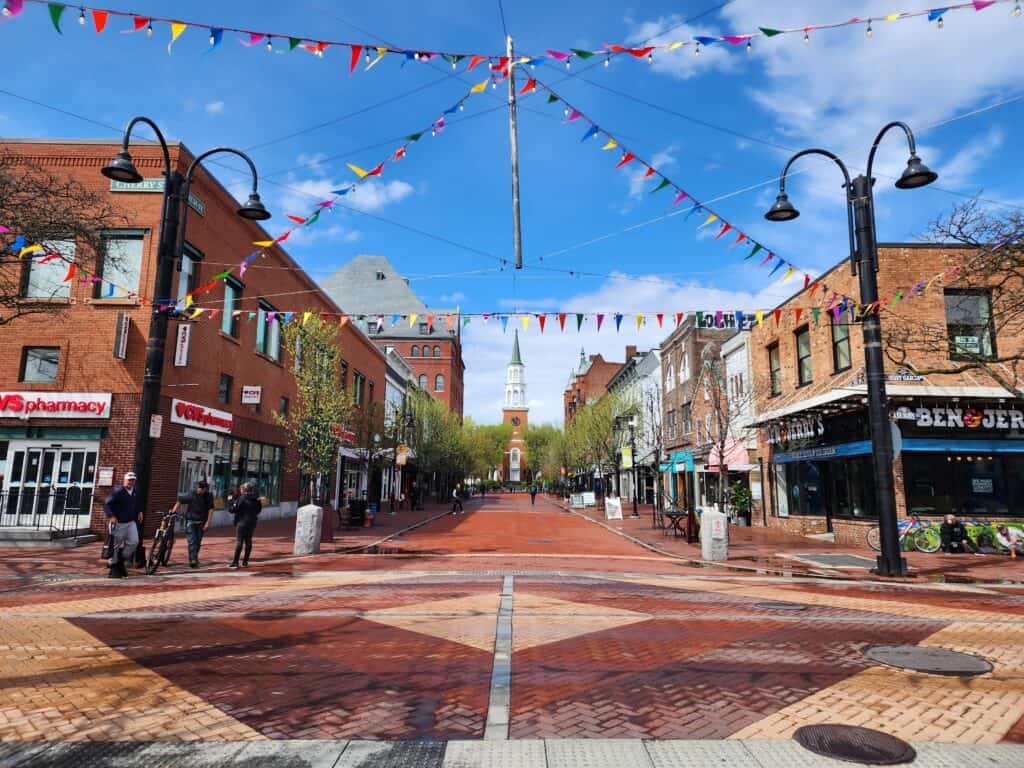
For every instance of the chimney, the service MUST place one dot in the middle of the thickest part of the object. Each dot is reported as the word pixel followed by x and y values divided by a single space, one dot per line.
pixel 630 352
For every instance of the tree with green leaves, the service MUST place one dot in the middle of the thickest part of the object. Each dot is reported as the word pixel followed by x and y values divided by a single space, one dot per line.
pixel 321 404
pixel 437 442
pixel 486 444
pixel 539 439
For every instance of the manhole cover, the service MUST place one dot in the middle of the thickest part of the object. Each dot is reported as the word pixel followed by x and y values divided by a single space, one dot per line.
pixel 840 561
pixel 935 661
pixel 855 744
pixel 781 606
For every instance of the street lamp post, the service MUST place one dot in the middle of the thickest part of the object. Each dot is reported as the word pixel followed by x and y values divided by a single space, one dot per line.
pixel 632 448
pixel 860 217
pixel 173 218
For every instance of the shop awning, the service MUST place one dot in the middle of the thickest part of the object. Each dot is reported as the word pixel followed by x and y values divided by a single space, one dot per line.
pixel 976 447
pixel 735 455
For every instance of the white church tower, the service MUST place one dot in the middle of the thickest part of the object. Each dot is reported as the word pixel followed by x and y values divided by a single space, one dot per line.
pixel 515 413
pixel 515 379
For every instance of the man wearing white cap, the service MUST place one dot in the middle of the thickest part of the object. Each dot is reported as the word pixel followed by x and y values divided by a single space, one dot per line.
pixel 122 508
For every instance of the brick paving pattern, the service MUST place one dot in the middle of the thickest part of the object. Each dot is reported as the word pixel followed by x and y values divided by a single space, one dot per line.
pixel 622 644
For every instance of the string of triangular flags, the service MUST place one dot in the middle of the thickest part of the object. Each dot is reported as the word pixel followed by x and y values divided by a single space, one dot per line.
pixel 829 302
pixel 661 181
pixel 372 53
pixel 362 176
pixel 41 253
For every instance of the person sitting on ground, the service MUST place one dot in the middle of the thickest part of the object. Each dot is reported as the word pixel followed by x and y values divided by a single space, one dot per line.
pixel 1011 539
pixel 953 534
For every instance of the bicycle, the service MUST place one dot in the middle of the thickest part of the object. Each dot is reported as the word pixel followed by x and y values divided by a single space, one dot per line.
pixel 914 533
pixel 163 543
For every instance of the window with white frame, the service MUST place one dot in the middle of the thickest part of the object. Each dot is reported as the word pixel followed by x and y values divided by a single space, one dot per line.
pixel 188 271
pixel 684 368
pixel 45 272
pixel 121 263
pixel 268 331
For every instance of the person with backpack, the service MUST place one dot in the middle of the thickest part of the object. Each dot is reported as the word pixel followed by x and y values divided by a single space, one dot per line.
pixel 246 510
pixel 457 500
pixel 198 513
pixel 533 495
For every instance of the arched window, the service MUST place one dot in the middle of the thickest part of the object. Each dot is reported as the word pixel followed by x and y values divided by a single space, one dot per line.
pixel 437 351
pixel 514 458
pixel 423 382
pixel 415 351
pixel 426 351
pixel 439 383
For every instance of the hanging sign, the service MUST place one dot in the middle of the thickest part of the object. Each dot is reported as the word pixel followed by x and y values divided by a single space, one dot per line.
pixel 156 185
pixel 627 458
pixel 193 415
pixel 55 405
pixel 124 324
pixel 401 455
pixel 156 426
pixel 181 345
pixel 251 395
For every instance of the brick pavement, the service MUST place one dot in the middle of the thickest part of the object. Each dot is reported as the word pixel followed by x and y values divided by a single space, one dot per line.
pixel 324 650
pixel 759 549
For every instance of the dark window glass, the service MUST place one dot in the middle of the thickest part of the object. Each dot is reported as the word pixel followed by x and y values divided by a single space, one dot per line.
pixel 840 345
pixel 437 351
pixel 39 364
pixel 284 407
pixel 969 323
pixel 803 355
pixel 224 391
pixel 775 369
pixel 415 351
pixel 232 302
pixel 358 382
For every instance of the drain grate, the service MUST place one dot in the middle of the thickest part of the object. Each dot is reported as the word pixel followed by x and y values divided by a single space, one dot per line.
pixel 934 661
pixel 855 744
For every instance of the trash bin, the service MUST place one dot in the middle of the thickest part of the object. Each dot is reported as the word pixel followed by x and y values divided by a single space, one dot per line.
pixel 356 513
pixel 372 512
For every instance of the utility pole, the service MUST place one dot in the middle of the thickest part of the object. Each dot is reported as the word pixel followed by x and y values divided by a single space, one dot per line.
pixel 517 242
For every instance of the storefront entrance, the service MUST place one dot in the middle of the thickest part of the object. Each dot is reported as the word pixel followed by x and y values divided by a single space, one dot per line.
pixel 48 486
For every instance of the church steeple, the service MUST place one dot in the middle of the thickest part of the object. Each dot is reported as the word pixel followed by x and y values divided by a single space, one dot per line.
pixel 516 359
pixel 515 378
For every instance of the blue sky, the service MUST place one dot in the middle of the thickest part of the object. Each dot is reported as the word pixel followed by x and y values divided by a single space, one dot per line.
pixel 729 108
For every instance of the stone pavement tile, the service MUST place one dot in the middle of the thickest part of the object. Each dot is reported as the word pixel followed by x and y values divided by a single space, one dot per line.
pixel 468 620
pixel 393 754
pixel 540 620
pixel 125 754
pixel 700 754
pixel 596 753
pixel 968 755
pixel 298 753
pixel 785 753
pixel 527 753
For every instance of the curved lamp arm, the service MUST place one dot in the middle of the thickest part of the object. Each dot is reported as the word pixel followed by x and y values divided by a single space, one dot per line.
pixel 159 136
pixel 846 177
pixel 881 135
pixel 207 153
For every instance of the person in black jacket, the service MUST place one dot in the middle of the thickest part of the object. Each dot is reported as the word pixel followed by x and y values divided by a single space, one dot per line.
pixel 123 517
pixel 198 511
pixel 953 534
pixel 246 509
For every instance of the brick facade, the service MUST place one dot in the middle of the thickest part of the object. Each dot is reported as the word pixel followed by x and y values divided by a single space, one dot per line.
pixel 84 328
pixel 587 384
pixel 448 365
pixel 836 393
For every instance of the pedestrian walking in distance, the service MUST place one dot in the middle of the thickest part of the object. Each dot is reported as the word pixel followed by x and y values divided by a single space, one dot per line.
pixel 123 515
pixel 198 512
pixel 457 500
pixel 246 509
pixel 533 495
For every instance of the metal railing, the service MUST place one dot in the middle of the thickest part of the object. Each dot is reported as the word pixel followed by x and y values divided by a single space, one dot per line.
pixel 45 508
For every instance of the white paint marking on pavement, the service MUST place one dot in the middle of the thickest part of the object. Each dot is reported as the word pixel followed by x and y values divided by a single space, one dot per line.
pixel 498 714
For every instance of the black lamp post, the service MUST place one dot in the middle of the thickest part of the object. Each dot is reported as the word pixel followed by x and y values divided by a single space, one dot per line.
pixel 173 217
pixel 860 216
pixel 632 447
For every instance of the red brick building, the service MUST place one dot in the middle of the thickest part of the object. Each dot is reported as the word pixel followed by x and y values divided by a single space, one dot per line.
pixel 587 384
pixel 516 413
pixel 370 289
pixel 50 466
pixel 960 436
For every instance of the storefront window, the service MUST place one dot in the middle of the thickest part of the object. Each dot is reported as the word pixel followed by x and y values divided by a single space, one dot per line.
pixel 239 461
pixel 976 485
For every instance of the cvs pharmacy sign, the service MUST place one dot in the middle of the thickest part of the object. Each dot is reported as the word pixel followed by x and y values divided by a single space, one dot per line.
pixel 193 415
pixel 55 405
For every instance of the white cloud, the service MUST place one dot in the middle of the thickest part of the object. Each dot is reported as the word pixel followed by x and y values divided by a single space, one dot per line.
pixel 214 107
pixel 373 195
pixel 352 236
pixel 453 298
pixel 551 356
pixel 369 196
pixel 680 63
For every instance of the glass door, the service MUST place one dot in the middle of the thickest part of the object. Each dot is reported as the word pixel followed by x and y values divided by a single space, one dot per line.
pixel 46 485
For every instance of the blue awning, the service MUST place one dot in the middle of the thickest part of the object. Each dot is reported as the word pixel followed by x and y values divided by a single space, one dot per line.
pixel 938 445
pixel 858 448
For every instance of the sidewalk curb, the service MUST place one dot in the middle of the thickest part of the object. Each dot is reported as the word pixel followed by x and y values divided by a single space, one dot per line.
pixel 705 563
